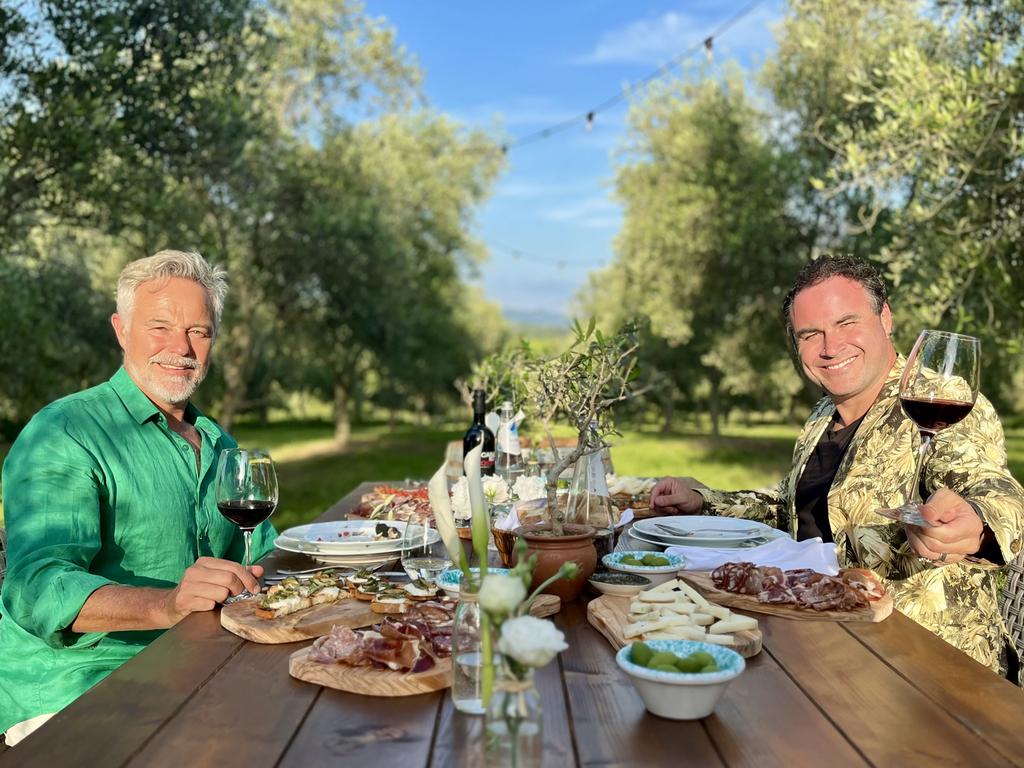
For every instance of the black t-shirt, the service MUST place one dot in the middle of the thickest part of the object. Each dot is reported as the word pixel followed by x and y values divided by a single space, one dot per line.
pixel 816 480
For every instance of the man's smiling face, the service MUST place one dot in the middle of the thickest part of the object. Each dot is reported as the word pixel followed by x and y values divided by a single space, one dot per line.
pixel 167 339
pixel 843 344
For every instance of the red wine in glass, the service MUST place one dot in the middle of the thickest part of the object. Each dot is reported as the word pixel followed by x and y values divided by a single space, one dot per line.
pixel 931 416
pixel 246 493
pixel 246 513
pixel 937 390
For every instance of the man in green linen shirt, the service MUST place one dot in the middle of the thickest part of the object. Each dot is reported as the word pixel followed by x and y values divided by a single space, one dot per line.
pixel 113 529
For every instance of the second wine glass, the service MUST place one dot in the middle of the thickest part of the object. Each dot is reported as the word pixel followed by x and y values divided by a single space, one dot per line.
pixel 423 553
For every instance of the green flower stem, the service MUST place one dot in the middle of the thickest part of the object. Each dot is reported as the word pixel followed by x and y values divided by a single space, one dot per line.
pixel 487 648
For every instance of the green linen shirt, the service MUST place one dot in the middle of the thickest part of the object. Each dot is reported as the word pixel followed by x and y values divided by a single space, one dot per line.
pixel 99 490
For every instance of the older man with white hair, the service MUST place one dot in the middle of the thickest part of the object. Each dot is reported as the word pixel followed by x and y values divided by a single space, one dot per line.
pixel 109 502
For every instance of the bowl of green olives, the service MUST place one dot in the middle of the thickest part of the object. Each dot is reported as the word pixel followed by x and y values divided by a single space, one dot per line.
pixel 659 567
pixel 680 679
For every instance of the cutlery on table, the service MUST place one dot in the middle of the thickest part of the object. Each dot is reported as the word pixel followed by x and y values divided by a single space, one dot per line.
pixel 691 532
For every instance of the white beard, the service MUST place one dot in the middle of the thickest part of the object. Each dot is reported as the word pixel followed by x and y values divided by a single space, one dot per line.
pixel 171 391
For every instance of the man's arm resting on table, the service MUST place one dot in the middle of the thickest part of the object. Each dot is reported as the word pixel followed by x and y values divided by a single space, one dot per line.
pixel 207 583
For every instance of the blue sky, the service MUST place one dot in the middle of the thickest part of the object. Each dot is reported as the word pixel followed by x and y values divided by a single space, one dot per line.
pixel 521 67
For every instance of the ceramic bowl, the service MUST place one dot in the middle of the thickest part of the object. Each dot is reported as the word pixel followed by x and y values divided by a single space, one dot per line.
pixel 609 583
pixel 682 695
pixel 658 574
pixel 451 580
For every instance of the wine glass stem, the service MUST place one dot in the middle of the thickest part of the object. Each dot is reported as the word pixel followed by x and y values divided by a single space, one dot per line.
pixel 247 535
pixel 915 487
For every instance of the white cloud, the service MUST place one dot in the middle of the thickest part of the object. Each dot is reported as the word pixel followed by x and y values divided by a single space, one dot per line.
pixel 646 41
pixel 589 209
pixel 521 111
pixel 657 40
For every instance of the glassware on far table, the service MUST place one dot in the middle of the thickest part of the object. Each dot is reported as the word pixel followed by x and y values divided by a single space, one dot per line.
pixel 938 389
pixel 246 494
pixel 423 553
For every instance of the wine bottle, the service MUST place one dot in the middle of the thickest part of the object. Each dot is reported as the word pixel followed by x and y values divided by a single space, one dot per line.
pixel 478 431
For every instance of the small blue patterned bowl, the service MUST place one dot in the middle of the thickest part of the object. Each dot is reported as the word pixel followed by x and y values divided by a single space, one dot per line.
pixel 682 695
pixel 658 574
pixel 451 580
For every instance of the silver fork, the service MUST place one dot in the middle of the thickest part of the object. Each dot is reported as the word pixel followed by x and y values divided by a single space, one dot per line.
pixel 693 531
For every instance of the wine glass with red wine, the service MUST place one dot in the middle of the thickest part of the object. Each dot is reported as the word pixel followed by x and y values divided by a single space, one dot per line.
pixel 246 493
pixel 938 389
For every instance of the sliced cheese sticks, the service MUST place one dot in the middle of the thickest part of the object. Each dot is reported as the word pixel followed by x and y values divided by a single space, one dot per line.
pixel 676 611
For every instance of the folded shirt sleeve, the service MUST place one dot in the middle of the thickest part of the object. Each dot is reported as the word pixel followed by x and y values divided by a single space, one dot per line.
pixel 52 487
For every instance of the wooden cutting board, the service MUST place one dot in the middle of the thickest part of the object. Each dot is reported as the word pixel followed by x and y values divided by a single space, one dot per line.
pixel 701 581
pixel 240 618
pixel 609 615
pixel 308 624
pixel 369 681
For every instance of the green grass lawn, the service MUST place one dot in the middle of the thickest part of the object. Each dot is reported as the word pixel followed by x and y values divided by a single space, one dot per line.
pixel 313 474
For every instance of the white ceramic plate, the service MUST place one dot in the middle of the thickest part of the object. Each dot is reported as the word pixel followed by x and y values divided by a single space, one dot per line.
pixel 341 558
pixel 342 537
pixel 701 529
pixel 769 535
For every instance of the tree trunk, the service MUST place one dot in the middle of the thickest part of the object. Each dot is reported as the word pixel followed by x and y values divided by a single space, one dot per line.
pixel 715 406
pixel 668 412
pixel 342 422
pixel 236 364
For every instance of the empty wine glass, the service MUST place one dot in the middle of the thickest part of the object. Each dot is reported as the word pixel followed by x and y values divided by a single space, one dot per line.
pixel 938 389
pixel 423 553
pixel 246 493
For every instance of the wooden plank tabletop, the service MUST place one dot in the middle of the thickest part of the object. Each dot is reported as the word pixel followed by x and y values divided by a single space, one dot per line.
pixel 849 694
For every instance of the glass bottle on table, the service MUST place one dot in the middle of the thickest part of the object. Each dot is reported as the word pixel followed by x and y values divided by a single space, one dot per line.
pixel 479 431
pixel 246 493
pixel 508 462
pixel 589 502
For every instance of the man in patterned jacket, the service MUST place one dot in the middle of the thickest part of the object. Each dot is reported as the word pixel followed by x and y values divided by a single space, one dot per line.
pixel 856 455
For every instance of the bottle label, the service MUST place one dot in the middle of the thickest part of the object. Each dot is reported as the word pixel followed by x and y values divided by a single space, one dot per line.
pixel 508 439
pixel 487 460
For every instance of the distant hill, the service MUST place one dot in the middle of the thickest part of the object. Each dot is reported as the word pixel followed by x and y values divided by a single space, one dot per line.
pixel 537 319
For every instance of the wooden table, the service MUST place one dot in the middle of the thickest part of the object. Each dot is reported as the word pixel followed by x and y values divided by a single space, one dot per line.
pixel 888 694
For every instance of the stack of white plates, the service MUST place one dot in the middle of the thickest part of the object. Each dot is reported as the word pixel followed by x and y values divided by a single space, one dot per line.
pixel 703 531
pixel 344 542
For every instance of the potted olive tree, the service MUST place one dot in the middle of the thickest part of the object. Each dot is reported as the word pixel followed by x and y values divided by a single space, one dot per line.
pixel 580 387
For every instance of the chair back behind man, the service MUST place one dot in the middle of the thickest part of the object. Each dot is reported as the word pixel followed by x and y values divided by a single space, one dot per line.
pixel 1013 602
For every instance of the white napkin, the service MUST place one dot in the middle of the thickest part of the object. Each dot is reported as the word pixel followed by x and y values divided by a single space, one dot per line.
pixel 784 553
pixel 625 517
pixel 509 522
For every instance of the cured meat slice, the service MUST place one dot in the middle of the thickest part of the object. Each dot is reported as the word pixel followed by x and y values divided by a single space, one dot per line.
pixel 864 580
pixel 776 593
pixel 732 577
pixel 831 593
pixel 342 644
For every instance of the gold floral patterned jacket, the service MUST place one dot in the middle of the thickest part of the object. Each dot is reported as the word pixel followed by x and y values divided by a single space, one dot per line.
pixel 958 602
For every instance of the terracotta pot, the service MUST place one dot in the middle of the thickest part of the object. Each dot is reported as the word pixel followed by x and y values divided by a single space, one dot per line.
pixel 577 544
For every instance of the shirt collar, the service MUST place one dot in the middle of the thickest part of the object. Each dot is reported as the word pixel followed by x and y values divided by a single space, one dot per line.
pixel 134 399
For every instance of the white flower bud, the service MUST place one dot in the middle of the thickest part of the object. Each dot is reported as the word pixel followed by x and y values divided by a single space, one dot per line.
pixel 500 594
pixel 530 641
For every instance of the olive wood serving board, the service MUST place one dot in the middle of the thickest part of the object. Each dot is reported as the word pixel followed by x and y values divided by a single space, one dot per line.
pixel 370 681
pixel 609 614
pixel 876 611
pixel 309 623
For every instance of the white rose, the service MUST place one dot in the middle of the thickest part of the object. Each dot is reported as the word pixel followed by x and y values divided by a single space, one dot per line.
pixel 461 510
pixel 529 488
pixel 530 641
pixel 496 490
pixel 500 594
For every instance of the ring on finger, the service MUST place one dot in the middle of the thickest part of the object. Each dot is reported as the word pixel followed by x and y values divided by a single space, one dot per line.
pixel 942 558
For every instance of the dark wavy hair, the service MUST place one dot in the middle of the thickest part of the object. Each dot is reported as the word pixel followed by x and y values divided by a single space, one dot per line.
pixel 829 266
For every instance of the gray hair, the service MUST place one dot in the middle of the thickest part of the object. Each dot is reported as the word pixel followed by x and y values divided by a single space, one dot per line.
pixel 167 264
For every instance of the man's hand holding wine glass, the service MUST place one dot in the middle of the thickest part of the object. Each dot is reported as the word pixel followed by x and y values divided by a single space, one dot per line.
pixel 956 530
pixel 208 583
